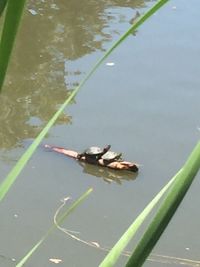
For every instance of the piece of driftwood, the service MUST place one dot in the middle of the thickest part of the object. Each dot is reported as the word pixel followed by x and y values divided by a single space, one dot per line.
pixel 117 165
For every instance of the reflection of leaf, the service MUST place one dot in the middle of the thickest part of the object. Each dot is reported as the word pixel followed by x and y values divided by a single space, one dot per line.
pixel 60 220
pixel 56 261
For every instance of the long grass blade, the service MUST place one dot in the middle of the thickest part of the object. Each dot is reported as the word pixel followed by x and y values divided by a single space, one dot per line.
pixel 11 177
pixel 60 220
pixel 13 16
pixel 2 6
pixel 167 209
pixel 118 248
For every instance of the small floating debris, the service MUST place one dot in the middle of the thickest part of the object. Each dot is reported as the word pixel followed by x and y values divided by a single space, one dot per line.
pixel 33 12
pixel 56 261
pixel 95 244
pixel 174 7
pixel 110 64
pixel 54 6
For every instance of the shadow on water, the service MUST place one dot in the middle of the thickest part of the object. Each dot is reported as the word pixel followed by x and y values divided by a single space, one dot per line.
pixel 108 175
pixel 39 75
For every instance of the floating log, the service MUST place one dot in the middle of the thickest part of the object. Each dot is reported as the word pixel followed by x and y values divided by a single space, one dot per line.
pixel 117 165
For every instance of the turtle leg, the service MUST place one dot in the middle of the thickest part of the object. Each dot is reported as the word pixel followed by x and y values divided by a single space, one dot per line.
pixel 79 156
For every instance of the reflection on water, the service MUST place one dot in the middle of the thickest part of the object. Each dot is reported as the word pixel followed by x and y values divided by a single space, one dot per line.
pixel 107 174
pixel 149 112
pixel 52 34
pixel 19 114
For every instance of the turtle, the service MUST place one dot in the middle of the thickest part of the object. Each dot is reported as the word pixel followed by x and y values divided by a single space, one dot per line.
pixel 111 156
pixel 93 153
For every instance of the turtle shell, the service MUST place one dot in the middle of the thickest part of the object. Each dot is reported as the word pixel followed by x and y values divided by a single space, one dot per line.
pixel 110 156
pixel 93 150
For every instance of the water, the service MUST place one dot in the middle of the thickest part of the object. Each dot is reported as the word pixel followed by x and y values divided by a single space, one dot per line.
pixel 145 105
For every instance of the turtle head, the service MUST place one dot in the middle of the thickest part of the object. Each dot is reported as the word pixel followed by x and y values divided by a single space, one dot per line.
pixel 106 148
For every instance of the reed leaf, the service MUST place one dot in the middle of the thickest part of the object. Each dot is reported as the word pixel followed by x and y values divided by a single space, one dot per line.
pixel 113 255
pixel 118 248
pixel 167 209
pixel 12 19
pixel 11 177
pixel 60 220
pixel 2 6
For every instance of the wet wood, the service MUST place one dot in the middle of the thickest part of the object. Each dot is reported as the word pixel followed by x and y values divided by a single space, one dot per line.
pixel 117 165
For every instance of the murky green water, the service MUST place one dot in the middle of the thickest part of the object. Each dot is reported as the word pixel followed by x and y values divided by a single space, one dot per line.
pixel 146 105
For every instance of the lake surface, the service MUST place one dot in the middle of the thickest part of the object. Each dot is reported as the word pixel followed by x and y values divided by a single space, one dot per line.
pixel 143 100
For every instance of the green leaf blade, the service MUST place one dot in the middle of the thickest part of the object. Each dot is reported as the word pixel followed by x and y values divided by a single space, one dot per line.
pixel 11 177
pixel 112 257
pixel 12 19
pixel 167 209
pixel 60 220
pixel 2 6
